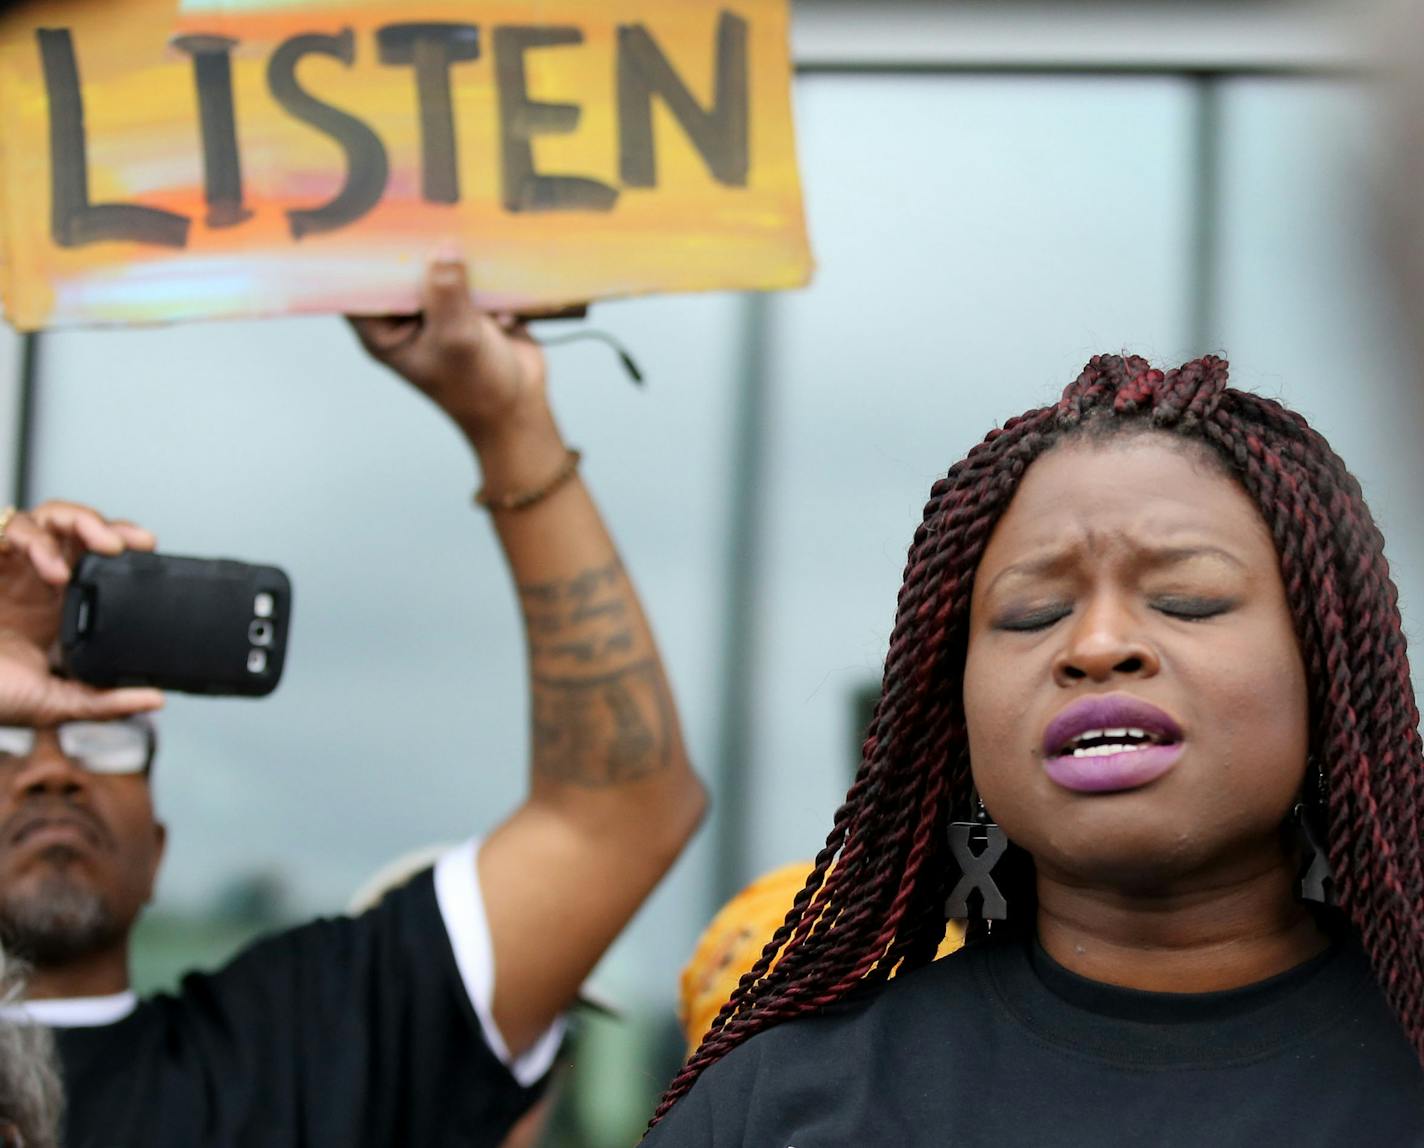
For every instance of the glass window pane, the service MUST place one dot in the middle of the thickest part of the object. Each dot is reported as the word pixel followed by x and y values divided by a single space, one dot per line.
pixel 11 363
pixel 978 239
pixel 1303 308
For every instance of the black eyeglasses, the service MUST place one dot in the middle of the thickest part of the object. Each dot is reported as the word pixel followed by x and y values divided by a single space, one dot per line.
pixel 108 747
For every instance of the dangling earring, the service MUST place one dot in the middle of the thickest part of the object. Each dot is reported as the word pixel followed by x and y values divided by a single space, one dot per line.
pixel 1315 883
pixel 976 867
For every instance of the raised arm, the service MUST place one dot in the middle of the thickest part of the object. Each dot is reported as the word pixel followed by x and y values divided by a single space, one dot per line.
pixel 612 799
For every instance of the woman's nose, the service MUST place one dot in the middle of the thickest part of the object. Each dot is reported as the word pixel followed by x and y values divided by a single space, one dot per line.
pixel 1104 641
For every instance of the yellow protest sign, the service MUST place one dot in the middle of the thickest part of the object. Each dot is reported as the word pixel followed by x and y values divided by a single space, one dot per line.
pixel 173 159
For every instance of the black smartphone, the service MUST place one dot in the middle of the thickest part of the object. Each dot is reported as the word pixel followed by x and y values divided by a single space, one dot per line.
pixel 195 625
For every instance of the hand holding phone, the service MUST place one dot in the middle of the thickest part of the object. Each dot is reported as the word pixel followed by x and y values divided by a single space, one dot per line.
pixel 31 694
pixel 196 625
pixel 39 550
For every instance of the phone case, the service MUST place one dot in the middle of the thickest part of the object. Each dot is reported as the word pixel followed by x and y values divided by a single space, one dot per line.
pixel 196 625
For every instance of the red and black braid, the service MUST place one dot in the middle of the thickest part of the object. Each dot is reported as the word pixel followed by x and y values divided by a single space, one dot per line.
pixel 875 898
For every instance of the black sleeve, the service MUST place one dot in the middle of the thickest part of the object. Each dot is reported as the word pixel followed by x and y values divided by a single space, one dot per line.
pixel 348 1033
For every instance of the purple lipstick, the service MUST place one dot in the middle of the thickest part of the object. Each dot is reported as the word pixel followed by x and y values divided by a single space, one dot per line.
pixel 1110 743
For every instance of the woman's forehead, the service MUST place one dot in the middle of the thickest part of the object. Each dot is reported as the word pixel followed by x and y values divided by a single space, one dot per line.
pixel 1147 493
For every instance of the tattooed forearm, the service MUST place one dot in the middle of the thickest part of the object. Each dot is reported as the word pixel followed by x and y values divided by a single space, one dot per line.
pixel 575 591
pixel 601 714
pixel 613 610
pixel 602 731
pixel 584 651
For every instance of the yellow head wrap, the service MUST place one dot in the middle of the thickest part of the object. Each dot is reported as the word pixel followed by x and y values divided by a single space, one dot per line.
pixel 733 942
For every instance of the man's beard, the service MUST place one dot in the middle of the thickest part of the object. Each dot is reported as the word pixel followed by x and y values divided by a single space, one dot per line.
pixel 55 919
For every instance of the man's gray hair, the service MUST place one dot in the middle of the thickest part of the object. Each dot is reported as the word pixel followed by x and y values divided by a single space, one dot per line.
pixel 30 1095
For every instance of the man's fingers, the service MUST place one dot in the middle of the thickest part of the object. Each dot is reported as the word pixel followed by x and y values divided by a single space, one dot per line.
pixel 54 534
pixel 96 534
pixel 31 695
pixel 135 537
pixel 86 526
pixel 74 701
pixel 40 546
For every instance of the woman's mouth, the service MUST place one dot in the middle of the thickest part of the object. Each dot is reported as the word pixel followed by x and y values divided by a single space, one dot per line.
pixel 1110 743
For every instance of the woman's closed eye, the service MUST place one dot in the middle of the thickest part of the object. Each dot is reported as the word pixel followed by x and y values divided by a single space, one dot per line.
pixel 1189 608
pixel 1030 620
pixel 1182 607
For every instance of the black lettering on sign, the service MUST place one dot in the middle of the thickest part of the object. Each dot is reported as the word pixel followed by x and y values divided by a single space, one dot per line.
pixel 367 168
pixel 222 164
pixel 522 119
pixel 720 133
pixel 430 49
pixel 74 220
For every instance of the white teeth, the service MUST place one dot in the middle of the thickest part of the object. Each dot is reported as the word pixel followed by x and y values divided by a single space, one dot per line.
pixel 1110 741
pixel 1107 750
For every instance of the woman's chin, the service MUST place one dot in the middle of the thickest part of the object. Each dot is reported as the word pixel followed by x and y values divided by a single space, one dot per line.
pixel 1135 863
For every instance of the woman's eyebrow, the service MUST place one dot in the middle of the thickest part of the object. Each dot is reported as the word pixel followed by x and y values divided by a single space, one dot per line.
pixel 1052 562
pixel 1153 557
pixel 1173 555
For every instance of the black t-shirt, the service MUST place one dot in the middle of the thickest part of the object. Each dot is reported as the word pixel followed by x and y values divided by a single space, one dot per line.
pixel 348 1033
pixel 999 1045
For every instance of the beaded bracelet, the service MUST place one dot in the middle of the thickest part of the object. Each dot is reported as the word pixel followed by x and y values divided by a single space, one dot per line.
pixel 524 499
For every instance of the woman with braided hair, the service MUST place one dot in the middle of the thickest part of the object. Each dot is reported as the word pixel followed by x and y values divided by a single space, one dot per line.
pixel 1147 655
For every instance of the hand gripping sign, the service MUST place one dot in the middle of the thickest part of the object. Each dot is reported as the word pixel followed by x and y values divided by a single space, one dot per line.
pixel 182 159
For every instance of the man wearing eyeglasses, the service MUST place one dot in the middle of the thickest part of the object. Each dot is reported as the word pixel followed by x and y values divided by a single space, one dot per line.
pixel 87 810
pixel 428 1020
